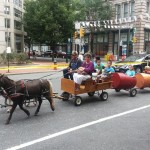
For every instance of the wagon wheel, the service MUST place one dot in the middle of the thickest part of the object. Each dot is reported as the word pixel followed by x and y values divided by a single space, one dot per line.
pixel 117 90
pixel 65 96
pixel 104 96
pixel 91 93
pixel 133 92
pixel 78 101
pixel 27 103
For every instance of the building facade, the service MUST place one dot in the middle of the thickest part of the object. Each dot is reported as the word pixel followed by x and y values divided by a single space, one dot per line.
pixel 126 33
pixel 11 29
pixel 133 20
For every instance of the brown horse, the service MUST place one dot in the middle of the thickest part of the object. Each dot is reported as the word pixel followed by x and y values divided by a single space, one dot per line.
pixel 26 89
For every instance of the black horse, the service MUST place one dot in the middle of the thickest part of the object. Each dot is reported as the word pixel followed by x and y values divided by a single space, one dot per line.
pixel 26 89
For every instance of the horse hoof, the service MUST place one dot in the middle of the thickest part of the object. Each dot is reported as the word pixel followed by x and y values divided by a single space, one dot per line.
pixel 53 109
pixel 28 115
pixel 6 123
pixel 36 114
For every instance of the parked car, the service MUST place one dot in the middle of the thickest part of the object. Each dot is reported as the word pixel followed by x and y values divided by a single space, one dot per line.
pixel 61 54
pixel 139 61
pixel 47 53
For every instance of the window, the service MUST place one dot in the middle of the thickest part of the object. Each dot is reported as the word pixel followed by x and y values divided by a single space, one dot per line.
pixel 106 38
pixel 7 38
pixel 7 23
pixel 132 8
pixel 17 25
pixel 7 10
pixel 18 3
pixel 17 13
pixel 146 36
pixel 100 38
pixel 126 10
pixel 118 11
pixel 6 1
pixel 147 7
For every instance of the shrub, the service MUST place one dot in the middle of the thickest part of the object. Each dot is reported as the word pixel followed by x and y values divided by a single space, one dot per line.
pixel 21 58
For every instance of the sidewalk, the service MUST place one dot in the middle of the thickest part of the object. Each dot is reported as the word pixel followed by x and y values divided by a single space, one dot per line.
pixel 34 67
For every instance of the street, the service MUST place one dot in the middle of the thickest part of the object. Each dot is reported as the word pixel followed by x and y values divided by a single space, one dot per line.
pixel 120 123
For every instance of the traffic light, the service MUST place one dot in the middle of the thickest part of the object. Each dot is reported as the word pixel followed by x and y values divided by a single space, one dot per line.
pixel 75 34
pixel 82 32
pixel 134 39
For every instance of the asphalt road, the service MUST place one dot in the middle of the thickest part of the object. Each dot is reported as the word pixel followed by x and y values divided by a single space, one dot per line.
pixel 120 123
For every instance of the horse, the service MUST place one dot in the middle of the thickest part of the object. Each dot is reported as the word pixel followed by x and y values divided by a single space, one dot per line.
pixel 20 90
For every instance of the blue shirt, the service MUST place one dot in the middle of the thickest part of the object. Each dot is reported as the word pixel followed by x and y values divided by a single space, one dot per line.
pixel 107 70
pixel 130 73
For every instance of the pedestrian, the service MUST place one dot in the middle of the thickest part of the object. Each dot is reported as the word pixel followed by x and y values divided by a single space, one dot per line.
pixel 131 71
pixel 80 56
pixel 84 72
pixel 74 64
pixel 33 54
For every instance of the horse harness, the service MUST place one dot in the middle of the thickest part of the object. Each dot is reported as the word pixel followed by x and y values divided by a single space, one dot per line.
pixel 7 93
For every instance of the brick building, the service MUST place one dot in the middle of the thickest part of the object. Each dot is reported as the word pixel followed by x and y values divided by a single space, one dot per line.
pixel 131 20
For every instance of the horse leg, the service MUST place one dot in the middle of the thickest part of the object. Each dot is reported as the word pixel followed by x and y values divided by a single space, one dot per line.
pixel 51 101
pixel 11 112
pixel 25 110
pixel 10 107
pixel 38 108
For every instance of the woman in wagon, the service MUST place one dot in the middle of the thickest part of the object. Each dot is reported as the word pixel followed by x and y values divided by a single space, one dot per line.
pixel 131 71
pixel 84 72
pixel 74 64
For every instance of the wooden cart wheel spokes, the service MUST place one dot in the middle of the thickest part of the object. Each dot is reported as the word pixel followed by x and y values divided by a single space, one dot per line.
pixel 78 101
pixel 117 90
pixel 91 94
pixel 27 103
pixel 65 96
pixel 104 96
pixel 133 92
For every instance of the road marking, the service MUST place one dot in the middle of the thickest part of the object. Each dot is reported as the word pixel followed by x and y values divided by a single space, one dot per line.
pixel 76 128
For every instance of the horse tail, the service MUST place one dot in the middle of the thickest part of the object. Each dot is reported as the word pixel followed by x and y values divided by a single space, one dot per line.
pixel 50 89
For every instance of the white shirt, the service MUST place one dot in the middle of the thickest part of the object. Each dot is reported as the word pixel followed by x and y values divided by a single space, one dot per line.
pixel 80 57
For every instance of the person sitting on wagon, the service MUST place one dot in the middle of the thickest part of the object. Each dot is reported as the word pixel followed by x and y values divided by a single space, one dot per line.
pixel 131 71
pixel 99 65
pixel 107 71
pixel 74 64
pixel 84 72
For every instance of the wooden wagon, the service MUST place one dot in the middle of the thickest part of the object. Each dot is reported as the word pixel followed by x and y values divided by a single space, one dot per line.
pixel 89 86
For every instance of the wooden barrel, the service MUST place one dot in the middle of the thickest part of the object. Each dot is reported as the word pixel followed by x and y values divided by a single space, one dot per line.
pixel 122 81
pixel 143 80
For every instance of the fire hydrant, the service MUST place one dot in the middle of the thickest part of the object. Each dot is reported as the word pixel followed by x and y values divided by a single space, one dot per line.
pixel 55 64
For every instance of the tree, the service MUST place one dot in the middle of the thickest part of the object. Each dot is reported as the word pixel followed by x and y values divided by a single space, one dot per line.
pixel 49 21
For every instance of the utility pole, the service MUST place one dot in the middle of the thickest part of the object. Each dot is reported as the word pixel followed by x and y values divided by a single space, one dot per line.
pixel 118 42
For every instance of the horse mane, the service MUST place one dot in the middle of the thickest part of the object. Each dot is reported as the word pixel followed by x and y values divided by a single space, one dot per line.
pixel 12 81
pixel 8 79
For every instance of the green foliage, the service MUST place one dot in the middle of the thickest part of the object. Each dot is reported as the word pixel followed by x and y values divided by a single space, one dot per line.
pixel 18 58
pixel 52 21
pixel 21 58
pixel 49 21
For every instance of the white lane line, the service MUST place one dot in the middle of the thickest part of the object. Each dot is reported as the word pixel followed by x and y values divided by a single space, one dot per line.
pixel 76 128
